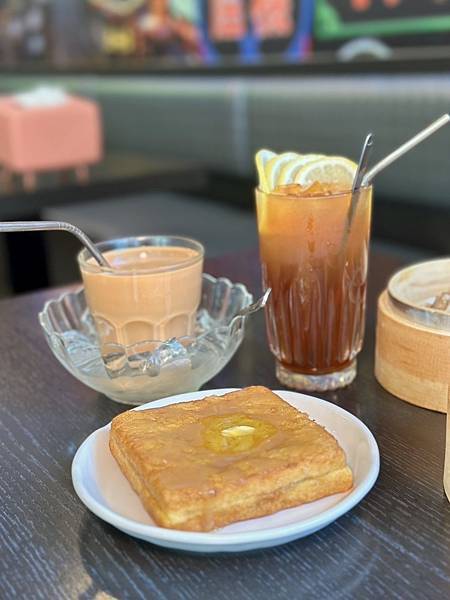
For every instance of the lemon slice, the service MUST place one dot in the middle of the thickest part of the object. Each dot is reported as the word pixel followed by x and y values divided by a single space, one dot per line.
pixel 274 166
pixel 290 169
pixel 335 170
pixel 262 157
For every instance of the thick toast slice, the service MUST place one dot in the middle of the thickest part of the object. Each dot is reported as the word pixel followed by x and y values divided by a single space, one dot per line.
pixel 204 464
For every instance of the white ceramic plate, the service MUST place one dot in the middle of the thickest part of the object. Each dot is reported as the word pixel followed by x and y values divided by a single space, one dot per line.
pixel 101 486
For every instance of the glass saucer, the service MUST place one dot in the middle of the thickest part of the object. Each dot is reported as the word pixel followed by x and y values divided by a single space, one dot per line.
pixel 151 369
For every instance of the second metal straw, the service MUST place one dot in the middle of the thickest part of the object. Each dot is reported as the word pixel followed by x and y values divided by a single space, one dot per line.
pixel 404 148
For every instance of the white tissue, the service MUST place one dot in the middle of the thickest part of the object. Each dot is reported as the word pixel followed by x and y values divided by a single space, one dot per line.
pixel 41 96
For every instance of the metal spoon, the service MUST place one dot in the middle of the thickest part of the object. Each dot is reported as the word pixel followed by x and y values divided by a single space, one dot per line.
pixel 252 308
pixel 11 226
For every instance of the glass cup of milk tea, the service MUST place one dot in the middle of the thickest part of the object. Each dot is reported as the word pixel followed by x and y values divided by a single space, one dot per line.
pixel 150 292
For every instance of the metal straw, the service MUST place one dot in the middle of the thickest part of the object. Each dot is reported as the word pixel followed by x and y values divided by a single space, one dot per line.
pixel 363 162
pixel 11 226
pixel 406 147
pixel 359 175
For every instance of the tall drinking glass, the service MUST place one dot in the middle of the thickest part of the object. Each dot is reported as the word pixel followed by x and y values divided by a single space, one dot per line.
pixel 316 265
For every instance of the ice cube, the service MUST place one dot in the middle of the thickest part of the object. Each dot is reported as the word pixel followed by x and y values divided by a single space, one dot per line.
pixel 170 352
pixel 316 188
pixel 442 302
pixel 82 352
pixel 289 189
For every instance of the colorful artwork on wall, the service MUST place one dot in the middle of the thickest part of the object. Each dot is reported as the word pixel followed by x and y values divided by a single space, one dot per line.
pixel 155 32
pixel 376 28
pixel 257 31
pixel 350 18
pixel 83 34
pixel 25 30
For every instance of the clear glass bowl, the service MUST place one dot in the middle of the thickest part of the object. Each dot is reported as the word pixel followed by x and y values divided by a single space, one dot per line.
pixel 152 369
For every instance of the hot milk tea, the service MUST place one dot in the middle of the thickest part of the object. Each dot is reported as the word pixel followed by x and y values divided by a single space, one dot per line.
pixel 151 292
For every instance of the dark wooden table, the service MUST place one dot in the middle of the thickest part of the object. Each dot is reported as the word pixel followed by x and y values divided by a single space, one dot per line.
pixel 394 544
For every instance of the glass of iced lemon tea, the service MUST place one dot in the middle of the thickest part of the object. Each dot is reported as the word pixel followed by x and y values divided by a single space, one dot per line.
pixel 314 257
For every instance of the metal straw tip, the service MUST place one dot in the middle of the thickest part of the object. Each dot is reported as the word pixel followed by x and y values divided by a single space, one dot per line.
pixel 363 162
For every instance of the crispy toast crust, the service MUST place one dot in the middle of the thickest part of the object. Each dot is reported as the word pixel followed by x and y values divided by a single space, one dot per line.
pixel 185 483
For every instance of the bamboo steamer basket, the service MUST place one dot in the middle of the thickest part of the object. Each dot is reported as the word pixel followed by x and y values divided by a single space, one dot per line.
pixel 412 353
pixel 412 356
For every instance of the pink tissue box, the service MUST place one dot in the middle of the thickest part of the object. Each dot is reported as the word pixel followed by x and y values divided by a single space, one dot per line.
pixel 67 136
